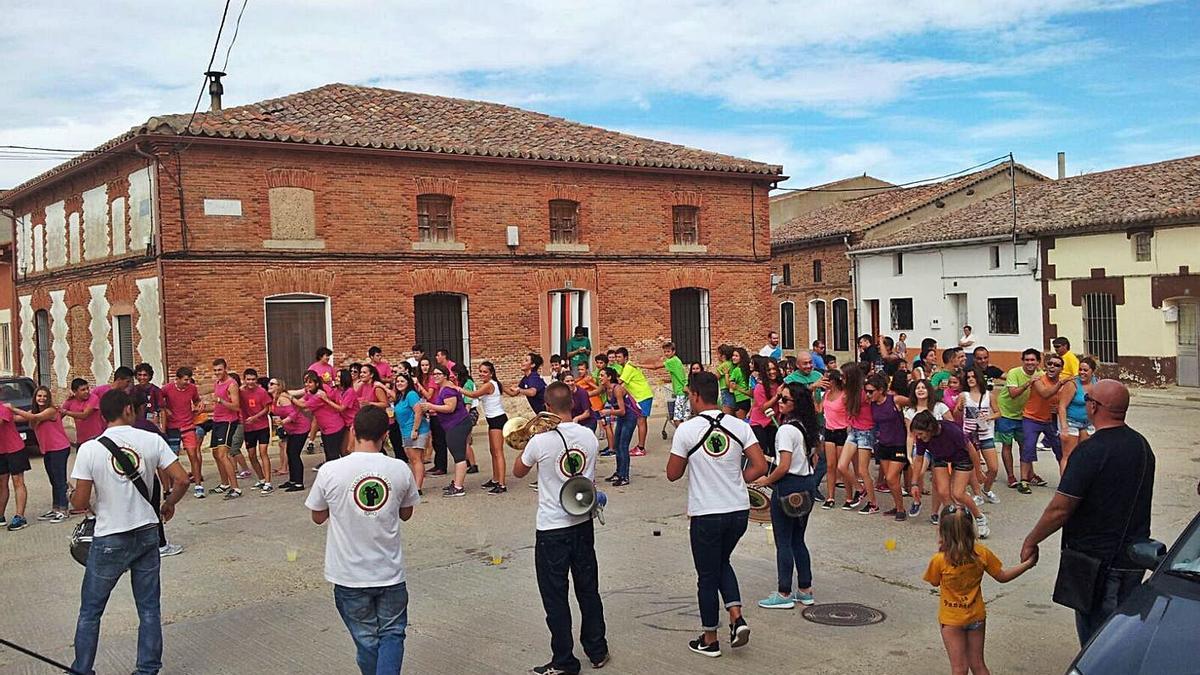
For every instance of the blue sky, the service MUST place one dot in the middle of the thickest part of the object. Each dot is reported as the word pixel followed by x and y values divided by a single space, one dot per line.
pixel 900 90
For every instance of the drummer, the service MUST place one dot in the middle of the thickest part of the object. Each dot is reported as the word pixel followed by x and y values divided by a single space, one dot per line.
pixel 711 446
pixel 565 542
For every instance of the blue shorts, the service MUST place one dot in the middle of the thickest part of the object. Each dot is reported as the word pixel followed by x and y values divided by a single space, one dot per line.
pixel 727 399
pixel 863 438
pixel 1009 431
pixel 646 406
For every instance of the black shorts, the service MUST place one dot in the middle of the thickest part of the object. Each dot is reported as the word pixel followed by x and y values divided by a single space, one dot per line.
pixel 891 453
pixel 14 462
pixel 222 434
pixel 497 422
pixel 836 436
pixel 957 465
pixel 258 437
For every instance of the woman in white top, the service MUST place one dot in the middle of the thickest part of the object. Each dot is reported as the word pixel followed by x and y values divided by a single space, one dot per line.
pixel 977 409
pixel 796 443
pixel 488 392
pixel 921 397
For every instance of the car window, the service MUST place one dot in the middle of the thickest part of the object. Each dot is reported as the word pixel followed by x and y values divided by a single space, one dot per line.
pixel 15 390
pixel 1187 555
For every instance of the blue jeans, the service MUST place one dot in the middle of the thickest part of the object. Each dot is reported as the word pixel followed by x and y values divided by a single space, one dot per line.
pixel 623 436
pixel 1115 586
pixel 790 549
pixel 110 556
pixel 713 539
pixel 377 618
pixel 56 470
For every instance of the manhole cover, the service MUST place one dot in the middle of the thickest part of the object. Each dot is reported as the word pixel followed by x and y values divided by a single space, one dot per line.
pixel 843 614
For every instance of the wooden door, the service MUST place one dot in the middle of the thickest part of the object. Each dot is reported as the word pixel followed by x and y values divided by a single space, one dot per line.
pixel 296 328
pixel 1187 329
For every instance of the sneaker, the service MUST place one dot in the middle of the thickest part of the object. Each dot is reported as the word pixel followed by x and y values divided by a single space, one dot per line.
pixel 244 474
pixel 777 601
pixel 474 468
pixel 258 485
pixel 934 519
pixel 901 516
pixel 829 504
pixel 982 526
pixel 497 490
pixel 978 500
pixel 47 515
pixel 612 478
pixel 860 498
pixel 17 523
pixel 739 633
pixel 1023 488
pixel 991 497
pixel 806 599
pixel 491 483
pixel 220 489
pixel 620 482
pixel 608 452
pixel 882 487
pixel 1038 481
pixel 435 472
pixel 848 506
pixel 233 494
pixel 710 650
pixel 890 512
pixel 549 669
pixel 599 663
pixel 1013 482
pixel 868 509
pixel 169 550
pixel 638 451
pixel 267 489
pixel 2 520
pixel 915 509
pixel 294 488
pixel 455 491
pixel 59 516
pixel 198 492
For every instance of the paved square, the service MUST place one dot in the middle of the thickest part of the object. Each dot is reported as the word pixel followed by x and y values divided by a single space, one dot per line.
pixel 232 603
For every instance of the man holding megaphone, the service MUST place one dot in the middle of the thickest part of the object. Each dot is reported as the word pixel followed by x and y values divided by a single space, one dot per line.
pixel 565 457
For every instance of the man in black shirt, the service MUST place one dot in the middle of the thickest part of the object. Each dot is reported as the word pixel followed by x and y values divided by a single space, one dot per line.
pixel 1103 503
pixel 983 361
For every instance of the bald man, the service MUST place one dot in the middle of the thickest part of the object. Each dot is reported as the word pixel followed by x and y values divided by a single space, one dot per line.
pixel 1102 505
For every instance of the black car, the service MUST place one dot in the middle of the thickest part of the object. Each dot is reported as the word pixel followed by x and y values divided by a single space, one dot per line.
pixel 18 391
pixel 1157 629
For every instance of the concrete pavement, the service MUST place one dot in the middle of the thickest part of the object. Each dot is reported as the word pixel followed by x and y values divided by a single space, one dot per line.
pixel 232 603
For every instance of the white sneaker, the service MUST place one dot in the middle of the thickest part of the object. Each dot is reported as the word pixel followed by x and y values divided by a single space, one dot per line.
pixel 267 489
pixel 198 492
pixel 978 500
pixel 47 515
pixel 258 485
pixel 169 550
pixel 982 526
pixel 991 497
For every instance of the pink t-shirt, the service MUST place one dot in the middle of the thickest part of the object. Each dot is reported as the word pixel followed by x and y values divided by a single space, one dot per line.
pixel 295 422
pixel 835 412
pixel 51 436
pixel 10 438
pixel 384 369
pixel 757 416
pixel 100 391
pixel 89 427
pixel 325 371
pixel 329 421
pixel 221 392
pixel 349 401
pixel 864 420
pixel 254 401
pixel 179 406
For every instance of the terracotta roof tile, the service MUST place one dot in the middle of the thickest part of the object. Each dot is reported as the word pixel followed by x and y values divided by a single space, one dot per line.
pixel 1168 190
pixel 369 117
pixel 857 215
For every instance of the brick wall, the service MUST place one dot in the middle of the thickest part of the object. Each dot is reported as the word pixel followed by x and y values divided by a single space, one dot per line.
pixel 835 283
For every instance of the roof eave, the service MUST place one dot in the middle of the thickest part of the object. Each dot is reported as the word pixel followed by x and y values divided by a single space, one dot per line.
pixel 65 170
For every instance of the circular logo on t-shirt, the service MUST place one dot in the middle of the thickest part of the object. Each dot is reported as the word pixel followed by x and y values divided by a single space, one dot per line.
pixel 371 493
pixel 572 462
pixel 717 444
pixel 134 459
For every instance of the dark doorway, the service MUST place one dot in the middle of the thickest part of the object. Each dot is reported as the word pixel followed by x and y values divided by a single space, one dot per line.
pixel 41 329
pixel 439 322
pixel 297 325
pixel 689 324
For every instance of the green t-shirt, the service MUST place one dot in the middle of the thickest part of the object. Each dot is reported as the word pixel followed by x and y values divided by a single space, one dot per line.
pixel 678 374
pixel 579 343
pixel 635 383
pixel 1012 408
pixel 737 377
pixel 722 374
pixel 808 381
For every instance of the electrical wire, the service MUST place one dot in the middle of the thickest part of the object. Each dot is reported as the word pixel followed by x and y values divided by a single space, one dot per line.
pixel 236 27
pixel 211 60
pixel 900 186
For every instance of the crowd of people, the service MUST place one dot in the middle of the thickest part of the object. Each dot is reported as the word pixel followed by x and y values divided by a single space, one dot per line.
pixel 801 426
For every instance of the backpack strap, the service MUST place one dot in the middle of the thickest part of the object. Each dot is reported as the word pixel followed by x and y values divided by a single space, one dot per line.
pixel 714 423
pixel 128 469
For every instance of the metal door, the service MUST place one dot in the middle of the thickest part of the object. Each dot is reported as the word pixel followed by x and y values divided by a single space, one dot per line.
pixel 439 322
pixel 296 327
pixel 1187 336
pixel 689 324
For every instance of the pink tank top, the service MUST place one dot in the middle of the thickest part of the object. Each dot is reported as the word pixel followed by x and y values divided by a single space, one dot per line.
pixel 835 412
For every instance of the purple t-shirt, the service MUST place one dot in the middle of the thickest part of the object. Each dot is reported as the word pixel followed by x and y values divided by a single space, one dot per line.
pixel 948 446
pixel 889 423
pixel 451 419
pixel 581 402
pixel 538 400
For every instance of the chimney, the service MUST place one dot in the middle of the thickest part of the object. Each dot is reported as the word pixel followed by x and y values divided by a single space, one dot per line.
pixel 1062 165
pixel 215 89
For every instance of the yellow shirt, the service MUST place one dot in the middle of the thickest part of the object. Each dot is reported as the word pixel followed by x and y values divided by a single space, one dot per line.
pixel 962 597
pixel 635 383
pixel 1070 365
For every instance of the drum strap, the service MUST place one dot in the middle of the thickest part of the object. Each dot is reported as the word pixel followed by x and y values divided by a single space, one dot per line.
pixel 714 423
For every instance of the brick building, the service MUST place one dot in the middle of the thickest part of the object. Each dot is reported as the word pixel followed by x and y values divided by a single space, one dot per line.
pixel 816 292
pixel 350 216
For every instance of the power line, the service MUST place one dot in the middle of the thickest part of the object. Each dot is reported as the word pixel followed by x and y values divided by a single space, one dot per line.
pixel 900 186
pixel 236 27
pixel 211 59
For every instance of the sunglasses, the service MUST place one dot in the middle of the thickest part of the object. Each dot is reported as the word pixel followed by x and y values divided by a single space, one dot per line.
pixel 785 399
pixel 870 391
pixel 1087 398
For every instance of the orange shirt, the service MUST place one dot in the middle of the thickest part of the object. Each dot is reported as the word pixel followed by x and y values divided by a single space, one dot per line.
pixel 1038 408
pixel 588 384
pixel 961 595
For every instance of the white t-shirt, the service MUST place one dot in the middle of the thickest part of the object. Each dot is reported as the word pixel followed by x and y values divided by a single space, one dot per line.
pixel 714 471
pixel 976 411
pixel 118 505
pixel 556 463
pixel 939 411
pixel 364 492
pixel 790 439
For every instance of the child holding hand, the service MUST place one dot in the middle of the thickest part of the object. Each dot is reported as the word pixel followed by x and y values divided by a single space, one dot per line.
pixel 957 569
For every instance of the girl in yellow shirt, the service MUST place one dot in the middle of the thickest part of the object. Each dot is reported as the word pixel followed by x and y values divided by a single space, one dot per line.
pixel 957 569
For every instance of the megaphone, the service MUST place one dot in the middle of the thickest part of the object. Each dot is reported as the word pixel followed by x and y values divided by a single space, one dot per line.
pixel 579 497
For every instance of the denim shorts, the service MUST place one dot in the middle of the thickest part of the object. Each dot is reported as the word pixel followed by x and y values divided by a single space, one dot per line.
pixel 985 443
pixel 727 399
pixel 863 438
pixel 1075 426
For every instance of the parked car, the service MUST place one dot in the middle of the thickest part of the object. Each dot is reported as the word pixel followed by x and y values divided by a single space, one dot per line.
pixel 1155 630
pixel 19 392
